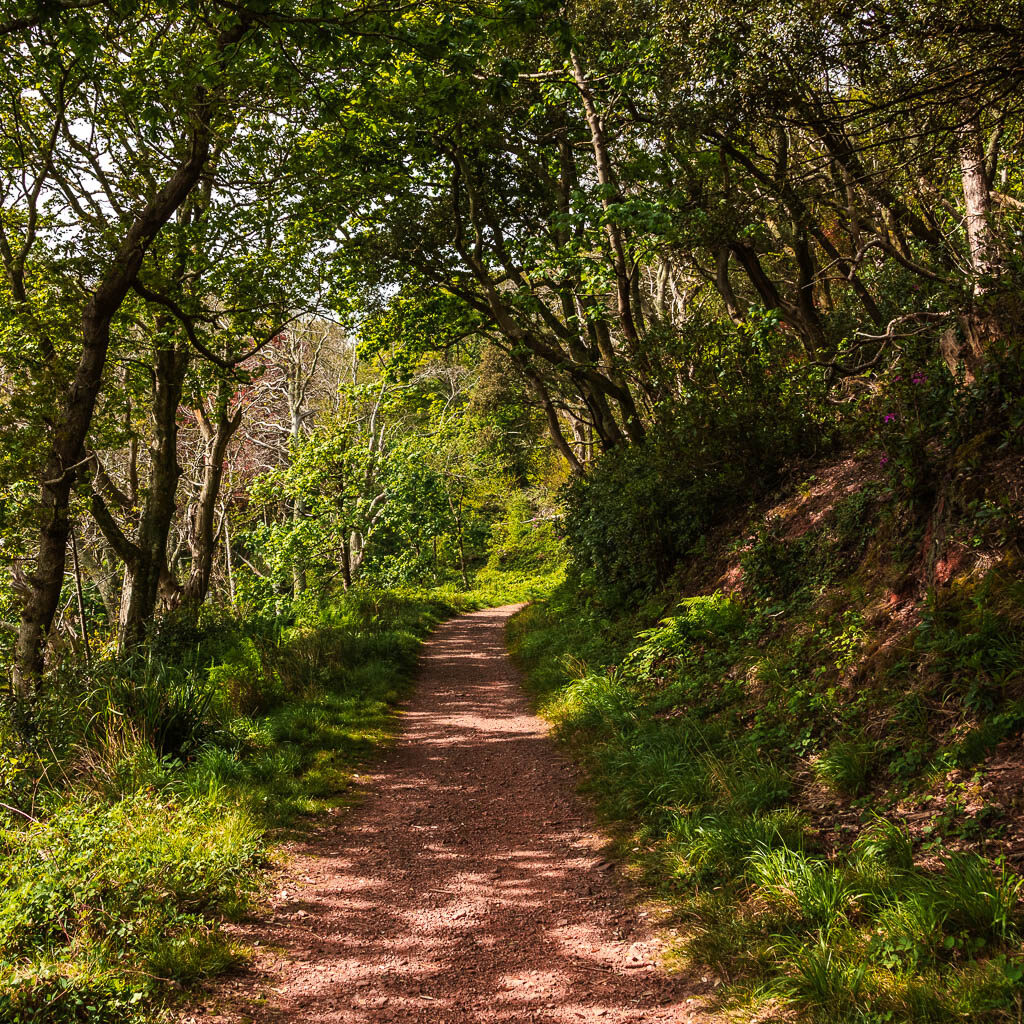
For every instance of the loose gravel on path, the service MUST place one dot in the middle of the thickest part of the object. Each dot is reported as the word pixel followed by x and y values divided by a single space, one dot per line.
pixel 469 886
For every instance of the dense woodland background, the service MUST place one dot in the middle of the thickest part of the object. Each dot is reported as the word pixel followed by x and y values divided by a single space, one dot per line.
pixel 321 321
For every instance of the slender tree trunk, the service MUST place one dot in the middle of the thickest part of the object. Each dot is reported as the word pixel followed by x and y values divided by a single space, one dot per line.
pixel 298 505
pixel 145 575
pixel 298 569
pixel 811 330
pixel 982 324
pixel 227 557
pixel 356 552
pixel 964 349
pixel 724 285
pixel 462 557
pixel 609 196
pixel 554 426
pixel 102 578
pixel 203 534
pixel 981 240
pixel 83 630
pixel 346 566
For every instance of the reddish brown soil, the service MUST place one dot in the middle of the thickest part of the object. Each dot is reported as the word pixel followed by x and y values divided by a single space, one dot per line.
pixel 469 887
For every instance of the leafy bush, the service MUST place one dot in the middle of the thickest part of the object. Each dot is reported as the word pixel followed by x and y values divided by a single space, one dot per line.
pixel 244 682
pixel 701 619
pixel 642 507
pixel 777 567
pixel 972 636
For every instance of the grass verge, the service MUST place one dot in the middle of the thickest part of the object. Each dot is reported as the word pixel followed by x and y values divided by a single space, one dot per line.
pixel 763 778
pixel 143 811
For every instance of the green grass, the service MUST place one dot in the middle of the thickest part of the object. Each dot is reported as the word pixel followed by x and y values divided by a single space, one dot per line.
pixel 847 766
pixel 147 806
pixel 705 739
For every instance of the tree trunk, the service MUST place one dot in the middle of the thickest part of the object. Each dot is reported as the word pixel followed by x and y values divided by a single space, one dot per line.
pixel 296 418
pixel 74 418
pixel 145 575
pixel 609 196
pixel 551 414
pixel 227 557
pixel 462 554
pixel 346 567
pixel 723 284
pixel 102 578
pixel 981 240
pixel 203 541
pixel 298 569
pixel 83 630
pixel 982 324
pixel 356 552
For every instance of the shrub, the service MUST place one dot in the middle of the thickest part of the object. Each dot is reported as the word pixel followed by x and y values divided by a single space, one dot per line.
pixel 642 507
pixel 245 682
pixel 777 567
pixel 701 620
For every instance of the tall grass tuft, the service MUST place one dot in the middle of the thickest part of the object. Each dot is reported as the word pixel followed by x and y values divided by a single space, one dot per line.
pixel 847 766
pixel 814 888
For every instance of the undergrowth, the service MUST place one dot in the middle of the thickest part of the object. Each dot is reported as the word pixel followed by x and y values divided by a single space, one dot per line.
pixel 800 778
pixel 143 809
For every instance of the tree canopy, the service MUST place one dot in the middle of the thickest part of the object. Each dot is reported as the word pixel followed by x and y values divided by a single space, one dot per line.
pixel 293 290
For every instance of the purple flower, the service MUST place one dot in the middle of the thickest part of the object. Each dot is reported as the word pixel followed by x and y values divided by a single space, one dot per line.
pixel 889 417
pixel 883 460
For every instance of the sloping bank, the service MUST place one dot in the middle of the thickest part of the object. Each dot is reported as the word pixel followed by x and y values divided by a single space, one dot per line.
pixel 815 770
pixel 145 808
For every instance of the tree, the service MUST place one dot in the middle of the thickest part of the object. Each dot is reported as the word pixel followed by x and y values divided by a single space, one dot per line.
pixel 125 114
pixel 105 148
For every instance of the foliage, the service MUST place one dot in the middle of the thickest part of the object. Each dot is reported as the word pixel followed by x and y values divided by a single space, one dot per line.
pixel 707 739
pixel 747 415
pixel 292 292
pixel 143 812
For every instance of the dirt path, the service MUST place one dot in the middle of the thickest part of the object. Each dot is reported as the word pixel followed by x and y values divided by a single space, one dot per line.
pixel 469 887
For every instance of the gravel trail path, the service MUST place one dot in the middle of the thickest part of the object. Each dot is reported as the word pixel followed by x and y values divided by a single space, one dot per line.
pixel 469 887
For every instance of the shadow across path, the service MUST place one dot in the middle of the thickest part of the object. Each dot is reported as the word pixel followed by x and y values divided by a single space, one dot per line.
pixel 469 887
